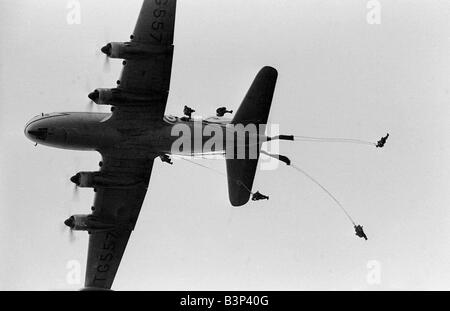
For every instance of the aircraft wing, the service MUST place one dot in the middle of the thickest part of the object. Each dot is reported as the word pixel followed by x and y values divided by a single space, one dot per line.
pixel 151 75
pixel 145 77
pixel 119 206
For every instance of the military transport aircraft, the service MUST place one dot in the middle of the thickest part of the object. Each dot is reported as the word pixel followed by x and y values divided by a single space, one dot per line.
pixel 135 133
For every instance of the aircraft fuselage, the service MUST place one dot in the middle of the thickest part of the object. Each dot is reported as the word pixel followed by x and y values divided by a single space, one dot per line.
pixel 100 131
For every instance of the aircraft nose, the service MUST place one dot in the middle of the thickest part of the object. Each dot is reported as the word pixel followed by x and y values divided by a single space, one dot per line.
pixel 31 129
pixel 47 129
pixel 34 132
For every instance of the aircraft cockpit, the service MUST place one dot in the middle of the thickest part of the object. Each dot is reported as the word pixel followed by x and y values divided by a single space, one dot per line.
pixel 39 128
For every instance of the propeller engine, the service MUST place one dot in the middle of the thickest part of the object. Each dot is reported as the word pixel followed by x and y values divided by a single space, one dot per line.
pixel 104 96
pixel 99 179
pixel 134 50
pixel 88 223
pixel 84 179
pixel 118 97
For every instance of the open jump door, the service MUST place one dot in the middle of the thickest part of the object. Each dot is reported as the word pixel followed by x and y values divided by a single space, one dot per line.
pixel 254 109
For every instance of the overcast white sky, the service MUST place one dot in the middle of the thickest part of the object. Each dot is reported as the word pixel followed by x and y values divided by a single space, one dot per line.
pixel 338 76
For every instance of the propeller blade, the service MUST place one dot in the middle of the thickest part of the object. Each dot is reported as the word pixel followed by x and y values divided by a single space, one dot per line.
pixel 90 106
pixel 106 64
pixel 75 193
pixel 71 236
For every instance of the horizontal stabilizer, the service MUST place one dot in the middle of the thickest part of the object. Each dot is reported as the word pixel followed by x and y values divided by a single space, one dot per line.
pixel 254 109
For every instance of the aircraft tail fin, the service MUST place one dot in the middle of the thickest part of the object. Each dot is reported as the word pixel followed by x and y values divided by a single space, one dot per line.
pixel 254 109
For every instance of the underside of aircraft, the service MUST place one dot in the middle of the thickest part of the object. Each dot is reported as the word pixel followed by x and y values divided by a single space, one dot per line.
pixel 137 132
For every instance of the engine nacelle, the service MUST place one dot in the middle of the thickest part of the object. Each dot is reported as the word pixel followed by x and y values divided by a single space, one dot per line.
pixel 84 179
pixel 118 97
pixel 102 180
pixel 88 223
pixel 105 96
pixel 134 50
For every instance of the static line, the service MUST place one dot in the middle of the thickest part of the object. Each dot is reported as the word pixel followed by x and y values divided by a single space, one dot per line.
pixel 333 140
pixel 216 171
pixel 201 165
pixel 293 166
pixel 328 192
